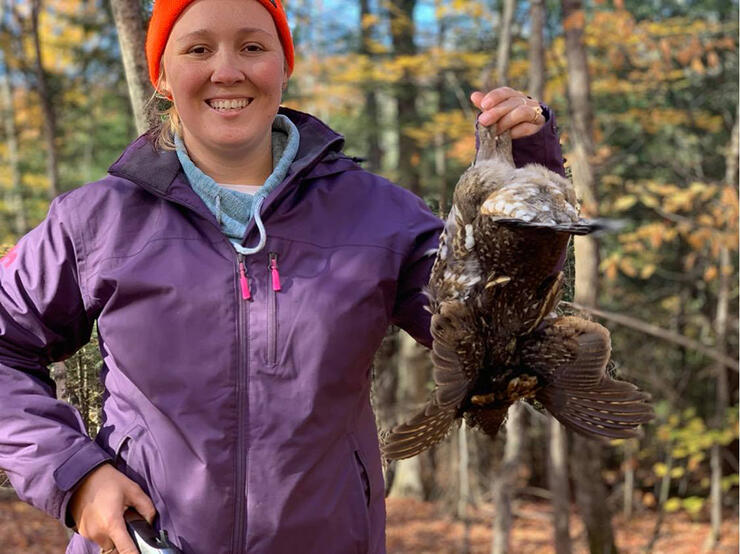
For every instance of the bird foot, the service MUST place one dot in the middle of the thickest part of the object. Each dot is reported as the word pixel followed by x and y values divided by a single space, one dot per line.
pixel 483 399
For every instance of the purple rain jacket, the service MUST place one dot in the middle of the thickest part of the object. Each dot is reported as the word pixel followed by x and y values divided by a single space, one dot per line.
pixel 247 422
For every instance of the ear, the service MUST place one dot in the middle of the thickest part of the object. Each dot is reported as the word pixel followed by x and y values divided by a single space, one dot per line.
pixel 286 77
pixel 162 87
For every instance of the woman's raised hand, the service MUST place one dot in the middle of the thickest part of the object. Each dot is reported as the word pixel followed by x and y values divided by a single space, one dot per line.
pixel 509 109
pixel 97 507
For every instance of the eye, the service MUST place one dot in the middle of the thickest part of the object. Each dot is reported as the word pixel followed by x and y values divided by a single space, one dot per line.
pixel 253 47
pixel 198 50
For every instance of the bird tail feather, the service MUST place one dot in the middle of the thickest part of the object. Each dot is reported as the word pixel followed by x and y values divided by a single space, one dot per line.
pixel 580 227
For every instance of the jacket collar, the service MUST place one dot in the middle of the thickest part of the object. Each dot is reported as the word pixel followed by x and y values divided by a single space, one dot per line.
pixel 141 163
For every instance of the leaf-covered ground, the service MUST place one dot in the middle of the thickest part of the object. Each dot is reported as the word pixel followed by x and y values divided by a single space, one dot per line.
pixel 417 527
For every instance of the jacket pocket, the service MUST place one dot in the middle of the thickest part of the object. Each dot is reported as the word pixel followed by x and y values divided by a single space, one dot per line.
pixel 272 319
pixel 363 491
pixel 138 457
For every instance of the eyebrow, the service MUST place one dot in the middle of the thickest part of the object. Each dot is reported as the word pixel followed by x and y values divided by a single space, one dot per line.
pixel 205 32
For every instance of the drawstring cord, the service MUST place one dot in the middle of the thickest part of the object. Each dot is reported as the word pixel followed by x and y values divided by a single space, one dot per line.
pixel 260 226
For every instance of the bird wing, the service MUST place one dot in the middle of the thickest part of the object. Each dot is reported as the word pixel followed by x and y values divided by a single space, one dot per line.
pixel 571 354
pixel 456 354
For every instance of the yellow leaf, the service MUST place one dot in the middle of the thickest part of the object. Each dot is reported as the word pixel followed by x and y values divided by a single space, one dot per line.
pixel 649 200
pixel 625 202
pixel 693 504
pixel 710 273
pixel 672 505
pixel 628 267
pixel 647 271
pixel 660 469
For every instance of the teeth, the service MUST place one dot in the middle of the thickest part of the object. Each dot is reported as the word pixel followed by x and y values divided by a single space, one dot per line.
pixel 229 104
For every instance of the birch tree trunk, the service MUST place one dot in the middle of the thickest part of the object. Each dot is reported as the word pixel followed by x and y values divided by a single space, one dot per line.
pixel 47 104
pixel 537 49
pixel 384 386
pixel 131 29
pixel 414 372
pixel 503 56
pixel 464 479
pixel 403 30
pixel 587 466
pixel 505 484
pixel 722 401
pixel 557 476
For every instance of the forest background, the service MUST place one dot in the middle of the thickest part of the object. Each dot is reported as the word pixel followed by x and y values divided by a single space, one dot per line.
pixel 646 98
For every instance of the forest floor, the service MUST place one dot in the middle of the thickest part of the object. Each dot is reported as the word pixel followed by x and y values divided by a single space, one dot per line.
pixel 423 528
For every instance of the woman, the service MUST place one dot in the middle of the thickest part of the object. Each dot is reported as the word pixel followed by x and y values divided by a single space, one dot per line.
pixel 237 331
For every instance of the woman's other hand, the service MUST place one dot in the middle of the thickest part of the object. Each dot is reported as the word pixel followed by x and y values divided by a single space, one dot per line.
pixel 509 109
pixel 97 507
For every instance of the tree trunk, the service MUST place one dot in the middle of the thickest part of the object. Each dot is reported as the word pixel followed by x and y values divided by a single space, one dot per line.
pixel 630 463
pixel 537 49
pixel 47 104
pixel 722 394
pixel 587 466
pixel 414 372
pixel 15 194
pixel 384 385
pixel 464 497
pixel 665 487
pixel 374 153
pixel 503 55
pixel 132 39
pixel 722 401
pixel 409 153
pixel 557 475
pixel 440 158
pixel 505 484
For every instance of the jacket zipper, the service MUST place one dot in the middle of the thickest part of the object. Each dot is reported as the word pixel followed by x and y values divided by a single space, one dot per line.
pixel 272 311
pixel 242 383
pixel 242 358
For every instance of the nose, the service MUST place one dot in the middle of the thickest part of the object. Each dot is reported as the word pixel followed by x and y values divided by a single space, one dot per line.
pixel 226 70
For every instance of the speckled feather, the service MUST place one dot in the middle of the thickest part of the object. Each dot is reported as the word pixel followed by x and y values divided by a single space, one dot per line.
pixel 492 291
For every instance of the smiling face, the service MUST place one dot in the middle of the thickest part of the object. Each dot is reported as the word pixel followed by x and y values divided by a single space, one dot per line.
pixel 225 70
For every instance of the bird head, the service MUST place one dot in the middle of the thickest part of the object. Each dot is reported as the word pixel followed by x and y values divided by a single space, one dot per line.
pixel 493 146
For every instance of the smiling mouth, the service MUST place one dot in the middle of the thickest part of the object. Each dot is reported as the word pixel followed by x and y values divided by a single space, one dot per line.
pixel 229 105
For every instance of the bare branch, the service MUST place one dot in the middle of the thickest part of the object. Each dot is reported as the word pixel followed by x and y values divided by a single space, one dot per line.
pixel 654 330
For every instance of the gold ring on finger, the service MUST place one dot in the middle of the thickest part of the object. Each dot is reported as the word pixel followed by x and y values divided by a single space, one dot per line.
pixel 108 550
pixel 537 113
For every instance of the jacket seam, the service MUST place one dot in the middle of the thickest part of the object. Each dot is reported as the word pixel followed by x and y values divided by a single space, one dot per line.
pixel 80 254
pixel 90 276
pixel 334 246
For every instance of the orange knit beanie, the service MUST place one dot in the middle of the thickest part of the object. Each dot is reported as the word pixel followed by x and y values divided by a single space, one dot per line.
pixel 166 12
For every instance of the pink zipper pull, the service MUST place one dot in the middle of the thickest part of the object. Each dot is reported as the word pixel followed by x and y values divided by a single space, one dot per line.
pixel 246 294
pixel 274 271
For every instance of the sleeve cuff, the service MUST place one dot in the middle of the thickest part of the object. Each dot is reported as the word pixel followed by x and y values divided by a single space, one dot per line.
pixel 543 147
pixel 68 475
